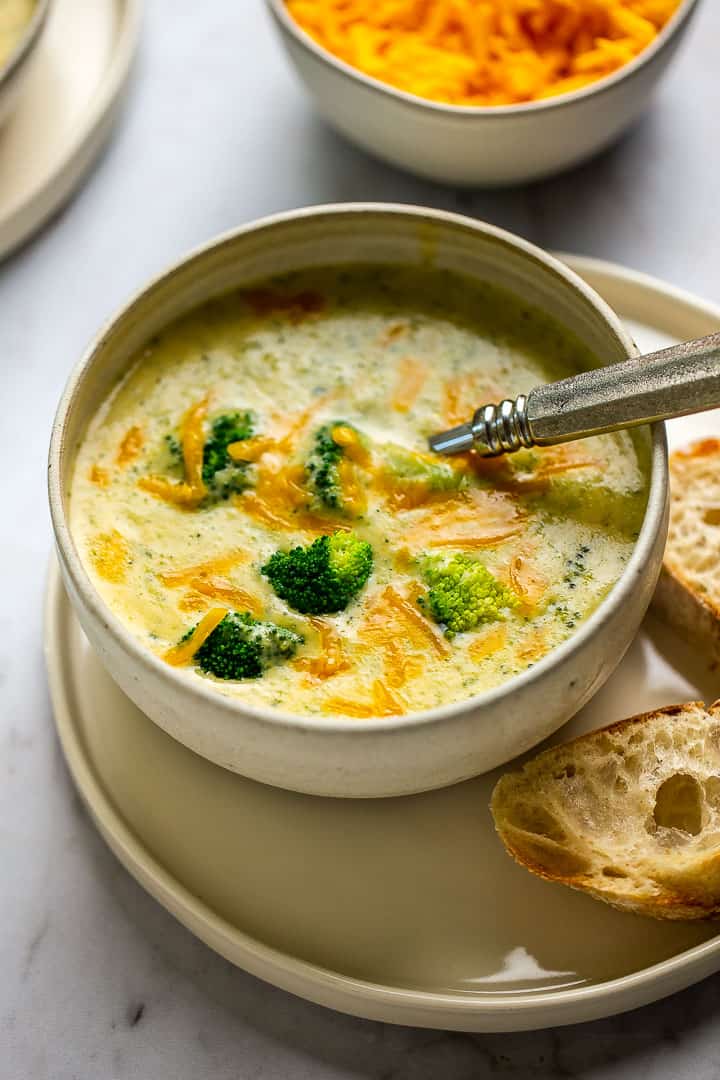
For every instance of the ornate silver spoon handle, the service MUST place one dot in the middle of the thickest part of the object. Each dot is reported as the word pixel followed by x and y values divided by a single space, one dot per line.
pixel 672 382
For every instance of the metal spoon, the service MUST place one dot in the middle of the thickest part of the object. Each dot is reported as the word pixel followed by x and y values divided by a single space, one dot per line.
pixel 672 382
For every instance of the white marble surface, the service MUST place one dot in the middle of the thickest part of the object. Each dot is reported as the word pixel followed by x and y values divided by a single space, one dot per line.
pixel 96 981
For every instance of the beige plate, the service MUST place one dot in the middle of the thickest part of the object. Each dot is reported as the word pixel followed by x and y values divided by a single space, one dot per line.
pixel 404 910
pixel 66 110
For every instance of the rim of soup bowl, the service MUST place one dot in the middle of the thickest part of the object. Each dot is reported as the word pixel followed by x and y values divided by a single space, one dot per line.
pixel 677 20
pixel 205 692
pixel 29 38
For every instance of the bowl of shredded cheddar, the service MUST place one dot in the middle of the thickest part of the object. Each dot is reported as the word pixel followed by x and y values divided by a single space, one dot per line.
pixel 481 92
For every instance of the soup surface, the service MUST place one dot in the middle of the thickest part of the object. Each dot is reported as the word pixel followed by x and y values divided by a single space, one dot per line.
pixel 479 568
pixel 14 18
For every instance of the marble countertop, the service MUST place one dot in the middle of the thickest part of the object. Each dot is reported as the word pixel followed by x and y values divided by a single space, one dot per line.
pixel 97 980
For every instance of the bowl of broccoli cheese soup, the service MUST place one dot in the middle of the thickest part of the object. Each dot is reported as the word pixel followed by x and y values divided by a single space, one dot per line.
pixel 264 553
pixel 21 23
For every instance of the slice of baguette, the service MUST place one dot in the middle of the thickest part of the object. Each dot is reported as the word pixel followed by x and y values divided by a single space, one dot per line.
pixel 629 814
pixel 688 593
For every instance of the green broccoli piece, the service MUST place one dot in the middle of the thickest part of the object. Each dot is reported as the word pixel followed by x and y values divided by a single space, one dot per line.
pixel 223 476
pixel 411 467
pixel 241 647
pixel 323 578
pixel 322 474
pixel 463 593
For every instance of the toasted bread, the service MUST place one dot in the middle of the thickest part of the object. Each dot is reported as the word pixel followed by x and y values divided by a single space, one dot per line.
pixel 629 814
pixel 688 593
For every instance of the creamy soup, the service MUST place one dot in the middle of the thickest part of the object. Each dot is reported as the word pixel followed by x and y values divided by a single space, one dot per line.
pixel 301 409
pixel 14 18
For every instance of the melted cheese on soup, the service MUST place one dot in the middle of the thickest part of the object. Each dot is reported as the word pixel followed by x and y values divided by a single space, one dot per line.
pixel 14 18
pixel 390 356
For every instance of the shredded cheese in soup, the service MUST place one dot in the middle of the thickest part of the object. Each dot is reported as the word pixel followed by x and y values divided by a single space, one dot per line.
pixel 299 410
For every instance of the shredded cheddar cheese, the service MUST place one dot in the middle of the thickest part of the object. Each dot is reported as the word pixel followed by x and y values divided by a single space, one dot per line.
pixel 534 647
pixel 99 476
pixel 414 623
pixel 351 485
pixel 352 444
pixel 217 565
pixel 281 502
pixel 280 498
pixel 527 583
pixel 193 445
pixel 251 450
pixel 190 492
pixel 395 627
pixel 110 553
pixel 130 446
pixel 475 519
pixel 553 461
pixel 462 393
pixel 285 441
pixel 412 374
pixel 203 589
pixel 488 643
pixel 484 52
pixel 183 652
pixel 382 703
pixel 331 659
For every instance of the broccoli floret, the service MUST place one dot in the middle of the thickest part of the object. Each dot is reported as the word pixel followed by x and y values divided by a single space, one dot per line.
pixel 463 593
pixel 324 577
pixel 410 467
pixel 241 647
pixel 223 476
pixel 322 472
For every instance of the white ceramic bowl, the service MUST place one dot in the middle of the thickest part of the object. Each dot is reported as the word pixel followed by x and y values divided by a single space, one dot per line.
pixel 339 756
pixel 462 145
pixel 18 66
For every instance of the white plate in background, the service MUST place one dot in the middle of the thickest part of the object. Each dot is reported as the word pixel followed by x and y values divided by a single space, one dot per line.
pixel 66 111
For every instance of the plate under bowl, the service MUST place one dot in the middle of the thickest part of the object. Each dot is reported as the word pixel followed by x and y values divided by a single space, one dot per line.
pixel 402 910
pixel 405 910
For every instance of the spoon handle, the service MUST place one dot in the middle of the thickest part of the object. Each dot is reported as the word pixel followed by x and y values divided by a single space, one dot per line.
pixel 672 382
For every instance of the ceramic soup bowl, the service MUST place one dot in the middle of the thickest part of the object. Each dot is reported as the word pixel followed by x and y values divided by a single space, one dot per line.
pixel 333 755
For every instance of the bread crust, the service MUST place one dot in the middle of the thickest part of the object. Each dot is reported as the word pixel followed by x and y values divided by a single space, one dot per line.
pixel 572 836
pixel 680 887
pixel 694 614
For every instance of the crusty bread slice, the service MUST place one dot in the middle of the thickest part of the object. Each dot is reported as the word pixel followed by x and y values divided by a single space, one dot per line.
pixel 688 593
pixel 629 814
